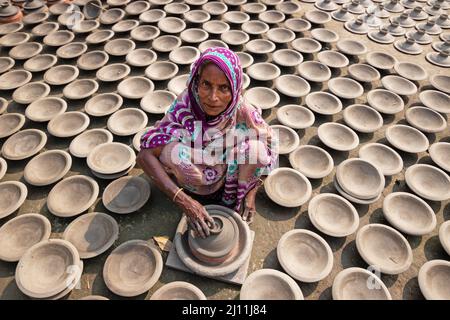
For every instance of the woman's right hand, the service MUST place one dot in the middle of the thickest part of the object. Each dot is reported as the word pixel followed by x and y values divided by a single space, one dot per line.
pixel 197 216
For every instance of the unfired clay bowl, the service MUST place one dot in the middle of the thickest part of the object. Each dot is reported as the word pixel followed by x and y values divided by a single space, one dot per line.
pixel 61 74
pixel 135 87
pixel 12 196
pixel 137 139
pixel 428 182
pixel 166 43
pixel 178 290
pixel 99 36
pixel 10 123
pixel 305 255
pixel 24 144
pixel 444 236
pixel 157 101
pixel 71 50
pixel 441 82
pixel 385 101
pixel 270 284
pixel 110 158
pixel 363 72
pixel 171 25
pixel 86 26
pixel 47 168
pixel 184 55
pixel 14 79
pixel 297 24
pixel 333 59
pixel 260 46
pixel 126 195
pixel 255 27
pixel 337 136
pixel 384 247
pixel 236 17
pixel 360 178
pixel 280 35
pixel 21 233
pixel 6 63
pixel 362 118
pixel 125 25
pixel 264 71
pixel 314 71
pixel 245 59
pixel 262 97
pixel 213 27
pixel 113 72
pixel 40 63
pixel 132 268
pixel 80 89
pixel 409 214
pixel 152 16
pixel 103 104
pixel 126 122
pixel 92 60
pixel 58 38
pixel 288 139
pixel 399 85
pixel 14 39
pixel 351 47
pixel 112 16
pixel 434 280
pixel 333 215
pixel 407 138
pixel 68 124
pixel 287 57
pixel 25 50
pixel 31 92
pixel 295 116
pixel 323 103
pixel 235 37
pixel 161 70
pixel 386 159
pixel 179 84
pixel 317 16
pixel 314 162
pixel 56 255
pixel 92 234
pixel 324 35
pixel 288 187
pixel 381 60
pixel 119 47
pixel 292 85
pixel 197 16
pixel 411 71
pixel 145 33
pixel 351 284
pixel 72 196
pixel 440 154
pixel 436 100
pixel 3 167
pixel 425 119
pixel 88 140
pixel 306 45
pixel 345 88
pixel 141 57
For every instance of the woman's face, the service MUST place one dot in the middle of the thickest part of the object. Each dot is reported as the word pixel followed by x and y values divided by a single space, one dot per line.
pixel 214 90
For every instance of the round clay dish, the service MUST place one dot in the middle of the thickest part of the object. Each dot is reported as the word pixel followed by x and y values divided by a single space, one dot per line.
pixel 428 182
pixel 434 280
pixel 425 119
pixel 14 79
pixel 323 103
pixel 126 195
pixel 40 63
pixel 68 124
pixel 178 290
pixel 337 136
pixel 158 101
pixel 61 74
pixel 295 116
pixel 103 104
pixel 314 162
pixel 345 88
pixel 436 100
pixel 135 87
pixel 128 121
pixel 47 168
pixel 10 123
pixel 113 72
pixel 385 101
pixel 287 137
pixel 440 154
pixel 12 195
pixel 83 144
pixel 386 159
pixel 24 144
pixel 406 138
pixel 110 158
pixel 262 97
pixel 314 71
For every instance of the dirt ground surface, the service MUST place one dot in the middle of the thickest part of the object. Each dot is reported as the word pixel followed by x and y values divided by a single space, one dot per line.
pixel 159 217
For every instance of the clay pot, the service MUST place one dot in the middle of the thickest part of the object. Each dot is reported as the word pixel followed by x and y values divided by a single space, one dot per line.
pixel 409 214
pixel 237 17
pixel 260 46
pixel 441 82
pixel 10 123
pixel 288 139
pixel 435 100
pixel 119 47
pixel 337 136
pixel 68 124
pixel 381 60
pixel 287 57
pixel 10 13
pixel 425 119
pixel 161 70
pixel 14 79
pixel 178 84
pixel 25 51
pixel 180 8
pixel 324 35
pixel 345 88
pixel 411 71
pixel 71 50
pixel 127 121
pixel 58 38
pixel 317 16
pixel 323 103
pixel 314 162
pixel 292 86
pixel 92 60
pixel 45 109
pixel 384 247
pixel 132 268
pixel 21 233
pixel 111 16
pixel 439 153
pixel 57 255
pixel 428 182
pixel 196 35
pixel 166 43
pixel 157 101
pixel 434 278
pixel 262 97
pixel 351 47
pixel 288 187
pixel 333 59
pixel 351 284
pixel 83 144
pixel 72 196
pixel 295 116
pixel 125 26
pixel 314 71
pixel 444 236
pixel 113 72
pixel 99 36
pixel 407 139
pixel 269 284
pixel 135 87
pixel 47 168
pixel 360 178
pixel 6 63
pixel 61 74
pixel 386 159
pixel 385 101
pixel 24 144
pixel 13 194
pixel 92 234
pixel 333 215
pixel 245 59
pixel 152 16
pixel 362 118
pixel 110 158
pixel 40 63
pixel 178 290
pixel 305 255
pixel 145 33
pixel 30 92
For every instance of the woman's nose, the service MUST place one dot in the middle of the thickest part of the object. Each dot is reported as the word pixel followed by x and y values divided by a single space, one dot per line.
pixel 214 95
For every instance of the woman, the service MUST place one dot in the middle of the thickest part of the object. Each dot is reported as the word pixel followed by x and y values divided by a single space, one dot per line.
pixel 211 143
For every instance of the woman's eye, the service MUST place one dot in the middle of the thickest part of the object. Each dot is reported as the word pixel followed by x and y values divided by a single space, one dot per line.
pixel 225 88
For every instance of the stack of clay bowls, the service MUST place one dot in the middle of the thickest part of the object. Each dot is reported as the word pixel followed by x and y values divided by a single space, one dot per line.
pixel 359 181
pixel 111 160
pixel 57 255
pixel 223 252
